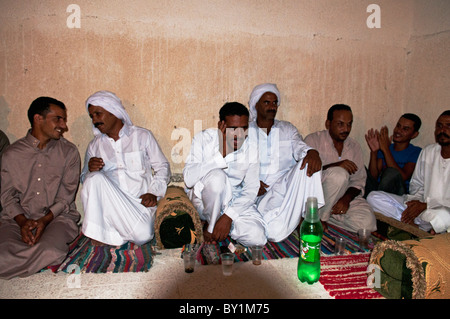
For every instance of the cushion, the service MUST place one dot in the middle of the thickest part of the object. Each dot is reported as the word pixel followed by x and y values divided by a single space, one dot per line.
pixel 177 222
pixel 413 269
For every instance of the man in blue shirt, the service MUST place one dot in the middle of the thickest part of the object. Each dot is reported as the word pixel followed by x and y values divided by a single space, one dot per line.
pixel 393 159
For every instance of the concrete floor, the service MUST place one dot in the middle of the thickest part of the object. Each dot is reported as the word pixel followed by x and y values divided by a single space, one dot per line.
pixel 273 279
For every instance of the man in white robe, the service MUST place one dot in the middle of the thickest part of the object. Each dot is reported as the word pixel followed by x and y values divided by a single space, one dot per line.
pixel 290 170
pixel 124 175
pixel 428 204
pixel 222 179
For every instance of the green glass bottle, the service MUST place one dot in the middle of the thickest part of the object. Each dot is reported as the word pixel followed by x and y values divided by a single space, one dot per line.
pixel 311 233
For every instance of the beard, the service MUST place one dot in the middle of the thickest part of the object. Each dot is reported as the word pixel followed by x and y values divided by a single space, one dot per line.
pixel 445 142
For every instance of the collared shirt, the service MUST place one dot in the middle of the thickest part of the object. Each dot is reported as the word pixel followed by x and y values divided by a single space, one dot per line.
pixel 279 150
pixel 241 167
pixel 35 180
pixel 430 182
pixel 352 151
pixel 135 162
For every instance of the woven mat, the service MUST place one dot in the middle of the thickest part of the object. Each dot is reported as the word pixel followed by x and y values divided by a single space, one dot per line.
pixel 87 258
pixel 210 254
pixel 328 240
pixel 346 277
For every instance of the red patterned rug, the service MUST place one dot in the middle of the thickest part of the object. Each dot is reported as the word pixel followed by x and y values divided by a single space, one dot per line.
pixel 345 277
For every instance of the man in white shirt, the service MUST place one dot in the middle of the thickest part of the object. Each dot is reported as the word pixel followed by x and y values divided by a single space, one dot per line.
pixel 289 168
pixel 343 173
pixel 120 191
pixel 428 204
pixel 222 179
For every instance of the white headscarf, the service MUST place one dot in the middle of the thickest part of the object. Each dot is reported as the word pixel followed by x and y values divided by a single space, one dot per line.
pixel 111 103
pixel 259 91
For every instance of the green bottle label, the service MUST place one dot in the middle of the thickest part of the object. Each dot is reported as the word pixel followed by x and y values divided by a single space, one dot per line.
pixel 309 251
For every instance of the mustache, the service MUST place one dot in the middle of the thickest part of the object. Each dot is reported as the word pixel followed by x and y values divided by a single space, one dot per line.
pixel 443 135
pixel 97 124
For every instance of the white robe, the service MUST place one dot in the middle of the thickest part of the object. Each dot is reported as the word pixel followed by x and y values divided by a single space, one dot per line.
pixel 281 153
pixel 227 185
pixel 134 165
pixel 430 183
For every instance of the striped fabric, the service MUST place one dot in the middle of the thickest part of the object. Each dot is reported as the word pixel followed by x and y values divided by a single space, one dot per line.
pixel 87 258
pixel 352 247
pixel 346 277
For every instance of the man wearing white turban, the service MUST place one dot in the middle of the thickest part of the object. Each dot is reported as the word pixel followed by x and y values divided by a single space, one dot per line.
pixel 124 174
pixel 290 170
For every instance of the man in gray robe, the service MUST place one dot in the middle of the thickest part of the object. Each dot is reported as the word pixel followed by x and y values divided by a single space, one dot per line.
pixel 39 180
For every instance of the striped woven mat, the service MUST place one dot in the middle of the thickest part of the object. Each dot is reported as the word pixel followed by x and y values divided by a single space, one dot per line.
pixel 84 257
pixel 347 276
pixel 210 254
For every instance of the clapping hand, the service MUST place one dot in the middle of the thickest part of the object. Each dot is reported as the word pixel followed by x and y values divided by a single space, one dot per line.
pixel 372 139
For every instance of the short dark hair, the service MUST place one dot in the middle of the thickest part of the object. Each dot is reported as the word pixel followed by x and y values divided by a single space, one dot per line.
pixel 445 113
pixel 232 108
pixel 413 117
pixel 337 107
pixel 41 106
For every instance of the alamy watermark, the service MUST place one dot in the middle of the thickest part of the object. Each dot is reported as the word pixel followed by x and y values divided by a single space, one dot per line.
pixel 374 19
pixel 74 278
pixel 374 276
pixel 74 19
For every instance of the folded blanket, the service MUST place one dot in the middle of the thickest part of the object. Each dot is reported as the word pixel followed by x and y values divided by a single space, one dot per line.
pixel 177 222
pixel 417 268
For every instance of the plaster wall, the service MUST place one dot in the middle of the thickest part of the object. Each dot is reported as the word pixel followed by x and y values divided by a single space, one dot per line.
pixel 427 82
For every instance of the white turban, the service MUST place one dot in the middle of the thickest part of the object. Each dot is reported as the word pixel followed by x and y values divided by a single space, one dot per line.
pixel 259 91
pixel 111 103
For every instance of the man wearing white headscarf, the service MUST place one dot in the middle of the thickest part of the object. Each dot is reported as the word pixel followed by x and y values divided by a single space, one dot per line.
pixel 290 170
pixel 124 174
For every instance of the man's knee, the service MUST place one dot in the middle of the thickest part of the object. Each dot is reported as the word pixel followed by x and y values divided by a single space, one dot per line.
pixel 215 180
pixel 370 221
pixel 259 236
pixel 94 178
pixel 392 182
pixel 363 217
pixel 249 231
pixel 51 250
pixel 336 176
pixel 143 233
pixel 374 198
pixel 391 173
